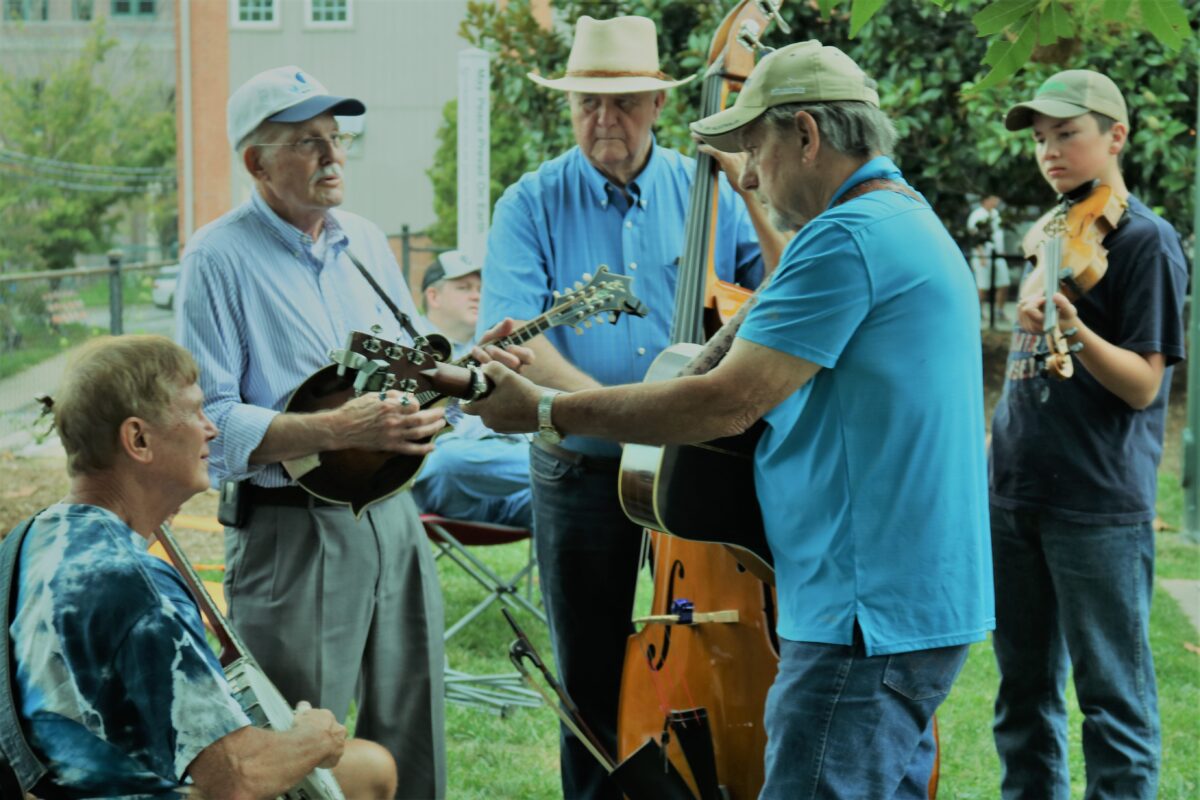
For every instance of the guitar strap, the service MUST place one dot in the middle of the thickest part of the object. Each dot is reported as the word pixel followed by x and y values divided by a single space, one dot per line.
pixel 716 347
pixel 20 769
pixel 406 325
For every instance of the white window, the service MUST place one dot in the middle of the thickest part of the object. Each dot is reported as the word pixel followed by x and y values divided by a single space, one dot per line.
pixel 328 13
pixel 254 13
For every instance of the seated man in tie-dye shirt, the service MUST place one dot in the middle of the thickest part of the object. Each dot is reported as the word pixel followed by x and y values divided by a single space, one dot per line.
pixel 117 690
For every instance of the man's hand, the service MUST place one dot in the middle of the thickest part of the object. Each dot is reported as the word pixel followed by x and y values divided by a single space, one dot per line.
pixel 730 163
pixel 514 356
pixel 320 723
pixel 1031 317
pixel 511 406
pixel 396 423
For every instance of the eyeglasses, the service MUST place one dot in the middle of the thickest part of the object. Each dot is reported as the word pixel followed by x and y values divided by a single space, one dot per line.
pixel 315 145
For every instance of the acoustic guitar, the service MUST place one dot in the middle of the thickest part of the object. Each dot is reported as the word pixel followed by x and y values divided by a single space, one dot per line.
pixel 357 477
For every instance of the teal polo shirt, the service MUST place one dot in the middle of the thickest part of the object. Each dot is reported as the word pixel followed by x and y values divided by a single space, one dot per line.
pixel 872 477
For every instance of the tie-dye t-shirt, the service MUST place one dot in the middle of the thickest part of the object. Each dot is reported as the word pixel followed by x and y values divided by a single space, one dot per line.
pixel 118 689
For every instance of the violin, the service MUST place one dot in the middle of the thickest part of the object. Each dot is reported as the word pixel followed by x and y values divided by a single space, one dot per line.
pixel 1067 248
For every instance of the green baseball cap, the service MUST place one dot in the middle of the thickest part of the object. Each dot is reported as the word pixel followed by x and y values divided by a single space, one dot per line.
pixel 805 72
pixel 1069 94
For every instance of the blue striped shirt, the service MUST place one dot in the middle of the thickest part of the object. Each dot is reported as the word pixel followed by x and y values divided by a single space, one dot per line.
pixel 566 218
pixel 260 310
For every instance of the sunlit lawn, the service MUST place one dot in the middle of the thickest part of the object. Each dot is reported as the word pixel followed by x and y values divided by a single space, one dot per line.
pixel 495 758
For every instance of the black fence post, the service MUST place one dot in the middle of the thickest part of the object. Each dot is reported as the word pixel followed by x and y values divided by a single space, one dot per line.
pixel 115 294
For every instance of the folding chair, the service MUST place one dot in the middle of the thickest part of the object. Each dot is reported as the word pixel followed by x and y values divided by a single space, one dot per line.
pixel 452 538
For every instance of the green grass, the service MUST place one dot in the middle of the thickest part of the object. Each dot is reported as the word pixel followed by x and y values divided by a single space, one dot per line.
pixel 40 343
pixel 516 756
pixel 136 288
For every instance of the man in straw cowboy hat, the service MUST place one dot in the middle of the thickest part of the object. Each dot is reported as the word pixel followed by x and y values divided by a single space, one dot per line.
pixel 863 358
pixel 616 198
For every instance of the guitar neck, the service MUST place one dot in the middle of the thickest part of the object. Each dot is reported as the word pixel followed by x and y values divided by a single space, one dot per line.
pixel 232 647
pixel 521 335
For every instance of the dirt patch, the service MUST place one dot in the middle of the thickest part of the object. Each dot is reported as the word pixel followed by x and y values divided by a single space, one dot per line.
pixel 28 484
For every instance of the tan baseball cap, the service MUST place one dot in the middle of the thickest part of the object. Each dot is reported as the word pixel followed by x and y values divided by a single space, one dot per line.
pixel 805 72
pixel 1069 94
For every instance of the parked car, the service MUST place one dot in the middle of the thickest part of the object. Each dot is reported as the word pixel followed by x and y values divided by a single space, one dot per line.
pixel 163 292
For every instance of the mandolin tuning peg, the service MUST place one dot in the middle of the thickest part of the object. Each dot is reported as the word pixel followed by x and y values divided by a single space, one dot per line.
pixel 555 294
pixel 1075 348
pixel 587 276
pixel 376 329
pixel 578 285
pixel 612 317
pixel 587 323
pixel 578 331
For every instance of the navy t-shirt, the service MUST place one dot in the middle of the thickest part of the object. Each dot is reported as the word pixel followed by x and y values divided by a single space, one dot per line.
pixel 1083 455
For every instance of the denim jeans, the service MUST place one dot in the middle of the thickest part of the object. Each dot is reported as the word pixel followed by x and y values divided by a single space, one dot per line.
pixel 477 480
pixel 1078 594
pixel 587 554
pixel 844 725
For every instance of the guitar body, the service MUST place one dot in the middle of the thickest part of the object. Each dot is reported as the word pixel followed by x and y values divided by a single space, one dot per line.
pixel 664 487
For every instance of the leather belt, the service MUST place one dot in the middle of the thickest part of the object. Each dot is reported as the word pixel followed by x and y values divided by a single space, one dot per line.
pixel 292 496
pixel 593 463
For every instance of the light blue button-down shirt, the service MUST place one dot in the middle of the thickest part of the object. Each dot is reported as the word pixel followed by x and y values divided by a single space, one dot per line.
pixel 566 218
pixel 260 312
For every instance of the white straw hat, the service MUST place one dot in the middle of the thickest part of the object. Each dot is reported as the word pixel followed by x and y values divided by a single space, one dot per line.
pixel 612 56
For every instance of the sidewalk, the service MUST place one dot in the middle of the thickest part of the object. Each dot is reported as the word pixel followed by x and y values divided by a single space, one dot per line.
pixel 19 410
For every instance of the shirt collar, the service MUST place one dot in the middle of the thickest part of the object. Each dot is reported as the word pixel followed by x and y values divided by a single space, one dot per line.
pixel 292 237
pixel 877 168
pixel 600 186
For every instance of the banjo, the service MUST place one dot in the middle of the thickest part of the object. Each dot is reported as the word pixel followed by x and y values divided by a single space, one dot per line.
pixel 254 692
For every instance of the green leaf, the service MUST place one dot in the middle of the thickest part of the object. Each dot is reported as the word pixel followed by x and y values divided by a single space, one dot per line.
pixel 1166 20
pixel 861 12
pixel 826 7
pixel 1007 56
pixel 1064 26
pixel 1000 15
pixel 1046 33
pixel 1116 10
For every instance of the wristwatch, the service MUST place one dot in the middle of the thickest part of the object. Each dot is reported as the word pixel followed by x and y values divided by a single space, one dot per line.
pixel 546 430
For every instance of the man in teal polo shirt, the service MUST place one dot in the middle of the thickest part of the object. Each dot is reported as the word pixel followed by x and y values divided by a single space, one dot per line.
pixel 863 357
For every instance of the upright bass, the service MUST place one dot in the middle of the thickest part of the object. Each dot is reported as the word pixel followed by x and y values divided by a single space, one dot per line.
pixel 696 675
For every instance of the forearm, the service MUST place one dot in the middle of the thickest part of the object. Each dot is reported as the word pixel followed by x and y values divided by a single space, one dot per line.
pixel 295 436
pixel 550 368
pixel 685 410
pixel 1133 377
pixel 256 764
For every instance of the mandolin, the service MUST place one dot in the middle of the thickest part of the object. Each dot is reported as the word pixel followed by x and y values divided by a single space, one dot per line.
pixel 369 363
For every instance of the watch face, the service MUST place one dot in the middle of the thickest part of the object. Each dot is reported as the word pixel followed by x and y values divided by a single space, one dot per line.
pixel 549 436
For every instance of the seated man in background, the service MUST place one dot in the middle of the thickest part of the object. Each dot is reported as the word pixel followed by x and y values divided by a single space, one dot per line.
pixel 117 690
pixel 474 473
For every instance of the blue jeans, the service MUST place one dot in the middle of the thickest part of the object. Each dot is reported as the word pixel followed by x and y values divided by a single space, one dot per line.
pixel 587 554
pixel 477 480
pixel 1078 594
pixel 841 724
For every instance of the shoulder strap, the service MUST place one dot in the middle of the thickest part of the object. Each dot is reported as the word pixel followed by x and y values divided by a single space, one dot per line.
pixel 878 185
pixel 401 317
pixel 20 769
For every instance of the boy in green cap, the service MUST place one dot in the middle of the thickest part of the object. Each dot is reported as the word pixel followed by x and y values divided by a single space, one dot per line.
pixel 1073 475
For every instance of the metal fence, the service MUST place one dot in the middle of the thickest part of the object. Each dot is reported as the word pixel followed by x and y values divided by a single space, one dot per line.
pixel 43 315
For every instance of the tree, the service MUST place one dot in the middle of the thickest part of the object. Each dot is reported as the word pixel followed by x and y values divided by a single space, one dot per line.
pixel 73 152
pixel 937 79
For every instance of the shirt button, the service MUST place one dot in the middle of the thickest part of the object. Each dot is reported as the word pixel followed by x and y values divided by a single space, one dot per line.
pixel 628 223
pixel 642 203
pixel 641 351
pixel 633 265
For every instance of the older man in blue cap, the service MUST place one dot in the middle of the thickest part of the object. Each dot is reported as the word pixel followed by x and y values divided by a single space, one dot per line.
pixel 336 608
